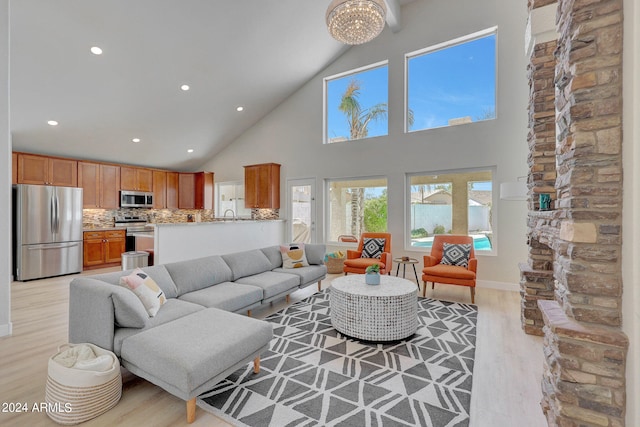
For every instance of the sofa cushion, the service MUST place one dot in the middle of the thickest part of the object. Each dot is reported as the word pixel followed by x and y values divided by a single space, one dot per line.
pixel 307 275
pixel 173 309
pixel 273 254
pixel 158 272
pixel 128 309
pixel 247 263
pixel 226 296
pixel 200 273
pixel 315 253
pixel 272 283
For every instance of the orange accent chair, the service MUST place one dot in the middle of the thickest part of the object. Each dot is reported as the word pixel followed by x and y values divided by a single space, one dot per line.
pixel 434 272
pixel 355 264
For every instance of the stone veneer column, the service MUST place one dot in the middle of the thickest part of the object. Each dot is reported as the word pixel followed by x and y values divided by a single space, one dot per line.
pixel 585 350
pixel 537 280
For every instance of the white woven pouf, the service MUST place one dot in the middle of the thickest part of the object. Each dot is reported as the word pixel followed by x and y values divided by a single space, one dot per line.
pixel 384 312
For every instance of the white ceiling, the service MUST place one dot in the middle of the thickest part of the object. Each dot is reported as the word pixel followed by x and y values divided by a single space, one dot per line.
pixel 253 53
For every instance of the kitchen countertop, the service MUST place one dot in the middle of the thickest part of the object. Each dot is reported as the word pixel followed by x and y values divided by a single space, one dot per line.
pixel 103 228
pixel 239 221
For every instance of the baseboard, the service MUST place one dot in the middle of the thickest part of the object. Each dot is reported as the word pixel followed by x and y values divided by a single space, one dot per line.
pixel 6 329
pixel 501 286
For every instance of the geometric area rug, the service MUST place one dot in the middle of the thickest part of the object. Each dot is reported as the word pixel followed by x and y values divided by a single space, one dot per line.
pixel 312 375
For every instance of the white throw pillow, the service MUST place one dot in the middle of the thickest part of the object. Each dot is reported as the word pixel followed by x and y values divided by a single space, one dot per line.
pixel 293 256
pixel 146 289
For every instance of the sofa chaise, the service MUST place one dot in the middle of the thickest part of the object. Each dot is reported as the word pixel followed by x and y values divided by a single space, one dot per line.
pixel 183 348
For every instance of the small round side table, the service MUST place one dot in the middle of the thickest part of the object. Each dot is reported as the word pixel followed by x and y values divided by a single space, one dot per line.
pixel 404 263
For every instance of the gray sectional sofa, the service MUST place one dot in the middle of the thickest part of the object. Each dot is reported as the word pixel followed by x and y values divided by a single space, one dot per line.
pixel 202 295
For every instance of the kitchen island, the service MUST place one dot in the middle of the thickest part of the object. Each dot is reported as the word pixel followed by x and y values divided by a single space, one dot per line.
pixel 189 240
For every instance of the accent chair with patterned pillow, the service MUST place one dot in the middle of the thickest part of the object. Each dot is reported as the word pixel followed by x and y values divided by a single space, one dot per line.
pixel 452 261
pixel 373 248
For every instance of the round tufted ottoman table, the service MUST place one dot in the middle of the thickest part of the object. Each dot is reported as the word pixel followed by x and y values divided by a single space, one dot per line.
pixel 384 312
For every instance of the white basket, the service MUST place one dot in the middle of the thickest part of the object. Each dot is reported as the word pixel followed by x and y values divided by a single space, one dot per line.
pixel 75 395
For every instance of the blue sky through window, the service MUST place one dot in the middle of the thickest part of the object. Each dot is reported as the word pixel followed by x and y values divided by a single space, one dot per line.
pixel 373 90
pixel 456 82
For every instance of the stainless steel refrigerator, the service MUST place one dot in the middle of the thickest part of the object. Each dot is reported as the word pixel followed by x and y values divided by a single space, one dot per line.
pixel 47 231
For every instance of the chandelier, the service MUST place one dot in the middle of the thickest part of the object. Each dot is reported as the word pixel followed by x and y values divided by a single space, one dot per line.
pixel 356 21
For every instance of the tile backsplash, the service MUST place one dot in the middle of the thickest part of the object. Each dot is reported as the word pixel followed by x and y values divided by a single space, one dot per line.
pixel 106 218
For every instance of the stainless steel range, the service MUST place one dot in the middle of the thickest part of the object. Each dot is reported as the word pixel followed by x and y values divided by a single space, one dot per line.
pixel 133 224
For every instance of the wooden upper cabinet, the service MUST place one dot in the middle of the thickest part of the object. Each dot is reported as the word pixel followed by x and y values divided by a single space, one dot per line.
pixel 109 186
pixel 43 170
pixel 159 189
pixel 262 186
pixel 187 191
pixel 172 190
pixel 14 168
pixel 100 184
pixel 136 179
pixel 89 181
pixel 195 190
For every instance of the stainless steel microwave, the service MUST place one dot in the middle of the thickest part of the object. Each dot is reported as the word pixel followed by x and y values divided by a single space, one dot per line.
pixel 136 199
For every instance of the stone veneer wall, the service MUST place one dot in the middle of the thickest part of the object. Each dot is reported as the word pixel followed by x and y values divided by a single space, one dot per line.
pixel 585 350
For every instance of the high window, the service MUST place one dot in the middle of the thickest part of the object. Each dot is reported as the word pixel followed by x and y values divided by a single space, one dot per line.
pixel 452 83
pixel 356 104
pixel 451 203
pixel 356 206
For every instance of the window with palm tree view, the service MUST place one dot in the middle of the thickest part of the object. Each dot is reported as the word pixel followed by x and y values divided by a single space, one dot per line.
pixel 356 206
pixel 452 83
pixel 451 203
pixel 356 104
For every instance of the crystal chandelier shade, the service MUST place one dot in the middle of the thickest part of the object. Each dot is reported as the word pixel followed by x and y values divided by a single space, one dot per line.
pixel 356 21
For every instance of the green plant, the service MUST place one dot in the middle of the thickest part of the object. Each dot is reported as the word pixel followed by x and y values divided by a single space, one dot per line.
pixel 373 268
pixel 438 229
pixel 419 232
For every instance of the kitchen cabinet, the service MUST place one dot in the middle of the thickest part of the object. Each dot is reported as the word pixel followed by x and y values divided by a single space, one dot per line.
pixel 195 190
pixel 100 184
pixel 172 190
pixel 43 170
pixel 14 168
pixel 136 179
pixel 103 248
pixel 159 190
pixel 262 186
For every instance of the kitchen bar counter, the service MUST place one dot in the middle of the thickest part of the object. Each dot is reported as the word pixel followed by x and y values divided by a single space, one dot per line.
pixel 188 240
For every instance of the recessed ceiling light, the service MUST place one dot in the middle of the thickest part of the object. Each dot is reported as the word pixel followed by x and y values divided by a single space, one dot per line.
pixel 240 108
pixel 135 140
pixel 190 150
pixel 184 87
pixel 96 50
pixel 52 123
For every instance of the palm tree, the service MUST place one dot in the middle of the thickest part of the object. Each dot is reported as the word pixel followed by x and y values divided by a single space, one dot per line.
pixel 358 117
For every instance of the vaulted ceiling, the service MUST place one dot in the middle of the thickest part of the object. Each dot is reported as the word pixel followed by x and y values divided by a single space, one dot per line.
pixel 249 53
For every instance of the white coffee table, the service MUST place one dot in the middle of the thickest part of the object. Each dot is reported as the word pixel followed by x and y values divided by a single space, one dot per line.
pixel 384 312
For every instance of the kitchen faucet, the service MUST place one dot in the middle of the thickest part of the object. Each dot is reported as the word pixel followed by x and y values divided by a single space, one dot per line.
pixel 233 214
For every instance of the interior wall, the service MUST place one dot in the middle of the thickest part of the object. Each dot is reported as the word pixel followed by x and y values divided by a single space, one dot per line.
pixel 292 133
pixel 631 206
pixel 5 175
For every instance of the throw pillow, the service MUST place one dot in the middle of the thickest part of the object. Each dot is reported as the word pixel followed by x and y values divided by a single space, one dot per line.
pixel 293 256
pixel 456 254
pixel 373 247
pixel 146 289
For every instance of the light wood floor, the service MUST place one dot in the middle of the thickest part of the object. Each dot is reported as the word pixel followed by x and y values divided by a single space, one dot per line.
pixel 506 380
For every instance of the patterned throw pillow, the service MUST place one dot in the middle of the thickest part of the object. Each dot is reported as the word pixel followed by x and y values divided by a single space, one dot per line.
pixel 146 289
pixel 456 254
pixel 293 256
pixel 373 247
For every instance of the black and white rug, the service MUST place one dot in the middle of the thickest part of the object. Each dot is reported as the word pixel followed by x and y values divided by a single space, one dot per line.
pixel 314 376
